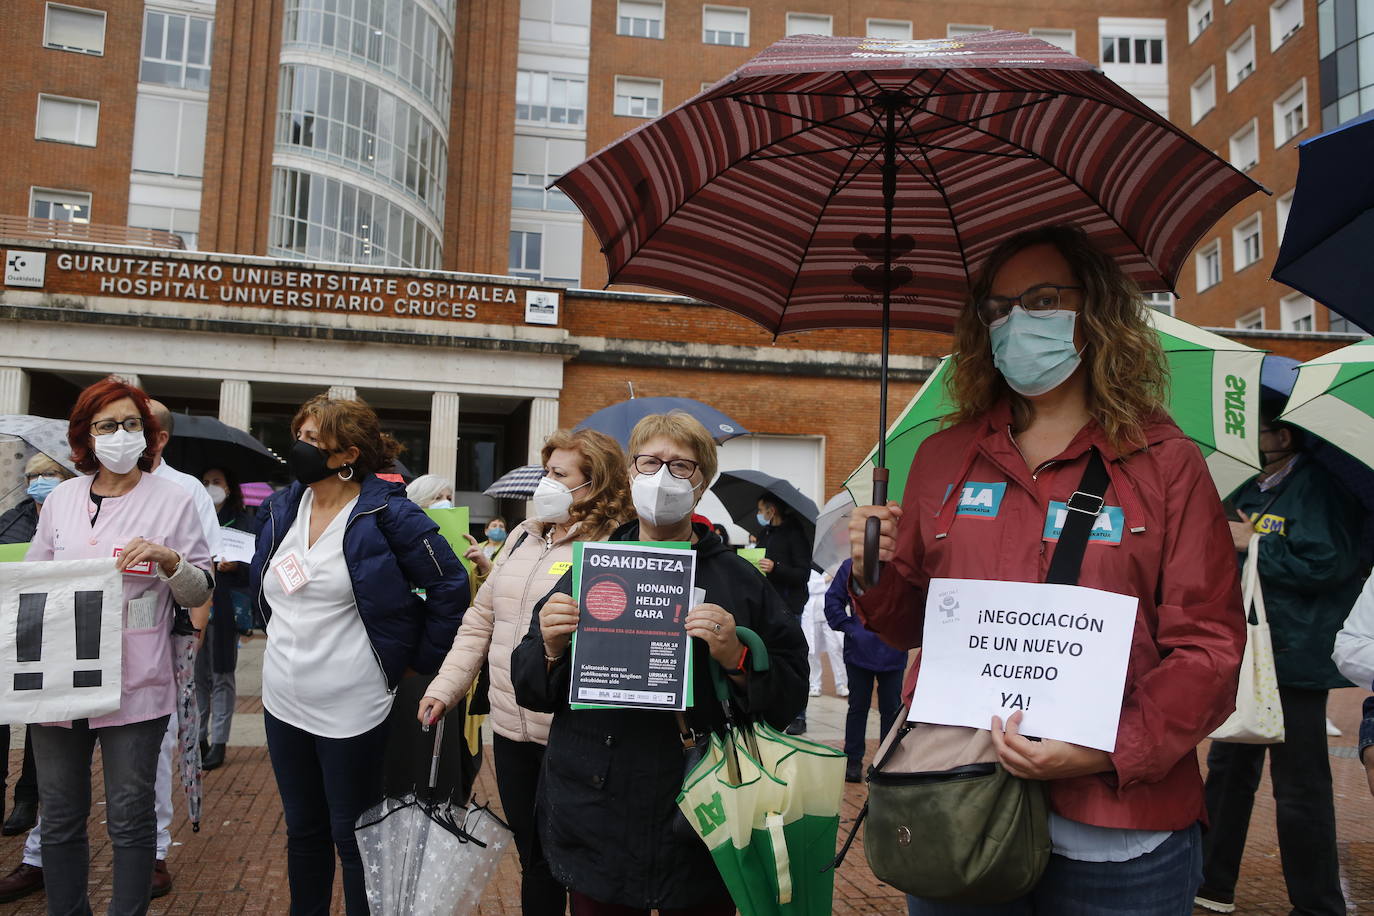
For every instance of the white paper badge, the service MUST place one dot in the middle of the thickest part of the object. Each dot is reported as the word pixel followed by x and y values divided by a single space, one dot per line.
pixel 291 573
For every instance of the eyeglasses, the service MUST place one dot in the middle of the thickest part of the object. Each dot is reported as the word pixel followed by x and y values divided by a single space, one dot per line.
pixel 682 468
pixel 49 474
pixel 1036 301
pixel 105 427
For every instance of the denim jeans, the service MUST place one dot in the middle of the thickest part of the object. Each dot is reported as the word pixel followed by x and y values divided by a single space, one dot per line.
pixel 517 777
pixel 215 693
pixel 325 784
pixel 1300 770
pixel 1159 883
pixel 129 755
pixel 861 700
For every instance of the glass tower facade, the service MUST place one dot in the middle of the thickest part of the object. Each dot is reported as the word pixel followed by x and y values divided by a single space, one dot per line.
pixel 361 140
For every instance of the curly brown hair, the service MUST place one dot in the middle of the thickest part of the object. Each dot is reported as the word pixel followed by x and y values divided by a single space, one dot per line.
pixel 606 504
pixel 1127 375
pixel 344 424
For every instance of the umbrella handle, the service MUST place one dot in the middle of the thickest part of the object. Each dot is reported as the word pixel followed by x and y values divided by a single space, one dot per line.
pixel 873 530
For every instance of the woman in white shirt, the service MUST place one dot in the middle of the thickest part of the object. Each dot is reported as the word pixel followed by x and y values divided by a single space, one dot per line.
pixel 340 554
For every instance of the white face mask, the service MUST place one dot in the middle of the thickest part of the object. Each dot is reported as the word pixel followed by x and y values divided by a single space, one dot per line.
pixel 441 504
pixel 119 451
pixel 661 498
pixel 553 500
pixel 217 494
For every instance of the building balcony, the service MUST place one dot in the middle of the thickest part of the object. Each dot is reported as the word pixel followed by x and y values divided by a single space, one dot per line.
pixel 29 227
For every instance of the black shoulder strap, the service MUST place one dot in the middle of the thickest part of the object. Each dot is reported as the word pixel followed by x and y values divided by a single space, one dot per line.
pixel 1084 505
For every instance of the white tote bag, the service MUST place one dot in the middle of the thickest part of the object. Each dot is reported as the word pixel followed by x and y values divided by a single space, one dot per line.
pixel 1258 718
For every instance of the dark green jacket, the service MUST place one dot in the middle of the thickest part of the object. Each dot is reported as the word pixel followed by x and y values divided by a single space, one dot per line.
pixel 1308 565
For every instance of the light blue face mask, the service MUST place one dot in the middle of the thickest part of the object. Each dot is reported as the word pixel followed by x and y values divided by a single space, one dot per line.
pixel 1035 353
pixel 42 486
pixel 441 504
pixel 761 519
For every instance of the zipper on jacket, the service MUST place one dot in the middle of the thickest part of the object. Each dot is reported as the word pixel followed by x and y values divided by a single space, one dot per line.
pixel 1035 474
pixel 262 579
pixel 391 691
pixel 439 569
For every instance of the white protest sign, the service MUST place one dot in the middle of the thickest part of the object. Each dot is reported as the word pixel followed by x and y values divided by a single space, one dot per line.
pixel 61 625
pixel 236 546
pixel 1056 653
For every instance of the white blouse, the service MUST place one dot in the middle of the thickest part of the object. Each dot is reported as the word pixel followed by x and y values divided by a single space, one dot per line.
pixel 320 672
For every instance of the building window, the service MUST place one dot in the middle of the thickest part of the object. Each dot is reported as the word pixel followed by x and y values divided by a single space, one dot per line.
pixel 1160 302
pixel 1295 313
pixel 1346 60
pixel 1290 113
pixel 1199 18
pixel 169 136
pixel 1125 50
pixel 526 254
pixel 640 19
pixel 1339 324
pixel 538 161
pixel 552 99
pixel 899 29
pixel 1285 18
pixel 810 24
pixel 1204 94
pixel 1209 265
pixel 71 28
pixel 1245 240
pixel 1251 321
pixel 185 224
pixel 67 206
pixel 725 25
pixel 1064 39
pixel 956 30
pixel 67 120
pixel 565 22
pixel 1281 207
pixel 1134 56
pixel 550 251
pixel 638 98
pixel 1240 59
pixel 1245 146
pixel 176 50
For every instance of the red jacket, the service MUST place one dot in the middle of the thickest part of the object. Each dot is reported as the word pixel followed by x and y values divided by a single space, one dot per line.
pixel 973 510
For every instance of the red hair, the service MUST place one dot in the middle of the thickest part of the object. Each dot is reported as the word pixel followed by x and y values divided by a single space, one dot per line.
pixel 96 398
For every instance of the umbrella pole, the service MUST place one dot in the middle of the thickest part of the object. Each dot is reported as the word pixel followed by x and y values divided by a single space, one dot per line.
pixel 873 527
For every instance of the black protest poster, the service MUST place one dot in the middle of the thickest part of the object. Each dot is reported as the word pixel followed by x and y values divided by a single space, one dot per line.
pixel 631 648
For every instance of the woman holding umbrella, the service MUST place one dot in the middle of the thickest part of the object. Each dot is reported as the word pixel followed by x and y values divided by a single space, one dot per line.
pixel 1054 361
pixel 584 496
pixel 607 811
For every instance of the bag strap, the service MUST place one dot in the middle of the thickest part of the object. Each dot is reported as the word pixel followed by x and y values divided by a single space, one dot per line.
pixel 1083 507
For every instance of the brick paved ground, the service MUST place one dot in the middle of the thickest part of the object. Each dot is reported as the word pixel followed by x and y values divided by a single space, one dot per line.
pixel 236 863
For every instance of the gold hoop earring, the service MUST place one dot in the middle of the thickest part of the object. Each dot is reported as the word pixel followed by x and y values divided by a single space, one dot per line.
pixel 349 469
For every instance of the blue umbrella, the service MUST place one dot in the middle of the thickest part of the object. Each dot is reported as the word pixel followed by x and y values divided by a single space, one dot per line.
pixel 1330 231
pixel 618 420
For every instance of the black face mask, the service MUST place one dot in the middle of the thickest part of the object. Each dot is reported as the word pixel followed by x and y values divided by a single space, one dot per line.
pixel 308 463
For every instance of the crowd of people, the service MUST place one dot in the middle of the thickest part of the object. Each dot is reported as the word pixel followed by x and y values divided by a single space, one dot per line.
pixel 376 631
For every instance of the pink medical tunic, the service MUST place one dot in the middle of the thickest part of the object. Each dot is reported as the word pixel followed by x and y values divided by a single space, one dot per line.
pixel 159 511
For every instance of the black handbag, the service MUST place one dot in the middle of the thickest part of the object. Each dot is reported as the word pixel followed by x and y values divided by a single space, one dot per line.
pixel 946 821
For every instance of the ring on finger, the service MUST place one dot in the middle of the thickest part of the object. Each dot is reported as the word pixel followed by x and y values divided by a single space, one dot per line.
pixel 717 628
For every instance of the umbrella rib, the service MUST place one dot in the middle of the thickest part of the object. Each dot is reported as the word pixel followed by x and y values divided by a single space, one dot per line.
pixel 949 208
pixel 854 147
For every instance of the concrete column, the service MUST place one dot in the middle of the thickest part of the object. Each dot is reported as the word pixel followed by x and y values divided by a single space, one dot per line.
pixel 443 434
pixel 14 390
pixel 235 403
pixel 343 393
pixel 543 421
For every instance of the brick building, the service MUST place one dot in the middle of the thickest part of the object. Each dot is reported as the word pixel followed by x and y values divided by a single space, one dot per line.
pixel 415 138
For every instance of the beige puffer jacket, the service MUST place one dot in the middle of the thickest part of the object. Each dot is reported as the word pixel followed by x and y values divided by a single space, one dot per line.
pixel 524 572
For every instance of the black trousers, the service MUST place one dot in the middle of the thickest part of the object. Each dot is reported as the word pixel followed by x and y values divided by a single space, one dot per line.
pixel 26 789
pixel 517 777
pixel 1300 772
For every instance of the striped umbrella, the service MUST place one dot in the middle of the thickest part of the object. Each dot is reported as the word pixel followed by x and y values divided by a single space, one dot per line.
pixel 1214 387
pixel 1334 398
pixel 517 484
pixel 858 182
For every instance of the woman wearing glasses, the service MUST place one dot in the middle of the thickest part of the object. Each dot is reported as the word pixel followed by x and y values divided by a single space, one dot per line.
pixel 607 810
pixel 1054 360
pixel 148 528
pixel 584 496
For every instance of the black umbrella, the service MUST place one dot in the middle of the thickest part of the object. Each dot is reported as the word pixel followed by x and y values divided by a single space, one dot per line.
pixel 739 492
pixel 201 443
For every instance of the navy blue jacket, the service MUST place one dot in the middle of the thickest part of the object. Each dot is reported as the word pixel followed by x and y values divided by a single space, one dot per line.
pixel 862 647
pixel 391 548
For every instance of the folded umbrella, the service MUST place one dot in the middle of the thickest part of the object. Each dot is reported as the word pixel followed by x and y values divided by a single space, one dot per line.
pixel 1330 228
pixel 517 484
pixel 184 647
pixel 739 492
pixel 618 420
pixel 200 443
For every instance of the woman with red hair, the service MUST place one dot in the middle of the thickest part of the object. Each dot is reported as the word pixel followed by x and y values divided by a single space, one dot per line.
pixel 148 527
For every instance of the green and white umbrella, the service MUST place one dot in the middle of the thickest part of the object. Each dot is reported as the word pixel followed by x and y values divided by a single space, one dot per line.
pixel 1334 398
pixel 1213 397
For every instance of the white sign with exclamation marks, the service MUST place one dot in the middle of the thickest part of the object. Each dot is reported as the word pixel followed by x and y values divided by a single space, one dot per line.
pixel 60 640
